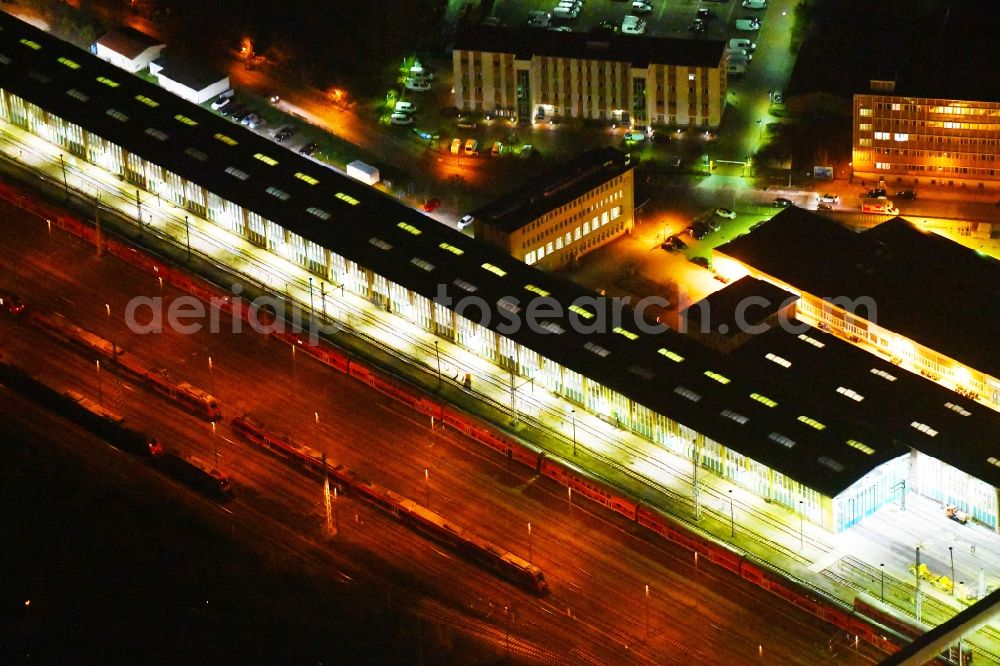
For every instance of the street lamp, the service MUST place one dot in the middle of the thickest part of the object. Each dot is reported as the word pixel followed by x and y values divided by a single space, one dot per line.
pixel 732 515
pixel 647 610
pixel 572 414
pixel 951 555
pixel 529 543
pixel 427 486
pixel 437 353
pixel 100 391
pixel 187 231
pixel 801 526
pixel 881 595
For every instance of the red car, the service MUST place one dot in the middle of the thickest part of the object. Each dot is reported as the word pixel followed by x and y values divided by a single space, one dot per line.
pixel 431 205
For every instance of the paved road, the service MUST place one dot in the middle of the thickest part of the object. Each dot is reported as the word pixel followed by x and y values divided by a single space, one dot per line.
pixel 597 567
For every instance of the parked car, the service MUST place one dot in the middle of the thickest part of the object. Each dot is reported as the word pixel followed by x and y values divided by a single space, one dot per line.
pixel 829 198
pixel 706 14
pixel 823 205
pixel 641 7
pixel 221 103
pixel 309 148
pixel 417 85
pixel 700 230
pixel 754 4
pixel 471 147
pixel 497 149
pixel 527 151
pixel 777 97
pixel 698 26
pixel 405 107
pixel 431 205
pixel 633 25
pixel 673 243
pixel 906 194
pixel 608 27
pixel 740 43
pixel 782 202
pixel 401 119
pixel 748 24
pixel 727 213
pixel 878 193
pixel 456 146
pixel 539 19
pixel 701 261
pixel 465 221
pixel 285 133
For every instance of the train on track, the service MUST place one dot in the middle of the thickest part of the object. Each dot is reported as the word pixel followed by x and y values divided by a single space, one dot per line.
pixel 470 545
pixel 196 473
pixel 191 398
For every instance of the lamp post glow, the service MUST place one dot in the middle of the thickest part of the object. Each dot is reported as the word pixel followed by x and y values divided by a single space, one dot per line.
pixel 732 515
pixel 437 353
pixel 529 543
pixel 572 413
pixel 801 526
pixel 100 391
pixel 882 587
pixel 647 610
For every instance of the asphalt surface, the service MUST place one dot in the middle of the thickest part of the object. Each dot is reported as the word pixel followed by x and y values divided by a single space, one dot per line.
pixel 597 567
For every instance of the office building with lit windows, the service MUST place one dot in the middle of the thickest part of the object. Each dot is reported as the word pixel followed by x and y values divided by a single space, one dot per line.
pixel 542 75
pixel 791 414
pixel 558 217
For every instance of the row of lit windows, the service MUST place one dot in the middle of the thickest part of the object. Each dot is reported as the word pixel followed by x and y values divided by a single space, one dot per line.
pixel 570 237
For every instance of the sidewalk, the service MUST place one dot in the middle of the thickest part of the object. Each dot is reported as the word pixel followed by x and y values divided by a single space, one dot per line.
pixel 649 471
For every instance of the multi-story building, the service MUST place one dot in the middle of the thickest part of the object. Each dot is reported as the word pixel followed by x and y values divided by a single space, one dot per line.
pixel 909 139
pixel 538 75
pixel 561 216
pixel 791 413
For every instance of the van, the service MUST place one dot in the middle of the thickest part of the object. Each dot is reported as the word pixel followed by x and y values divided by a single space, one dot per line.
pixel 748 24
pixel 879 205
pixel 401 119
pixel 563 13
pixel 754 4
pixel 471 147
pixel 405 107
pixel 456 145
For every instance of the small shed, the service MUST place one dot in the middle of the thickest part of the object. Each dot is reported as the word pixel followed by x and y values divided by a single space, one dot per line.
pixel 128 48
pixel 366 173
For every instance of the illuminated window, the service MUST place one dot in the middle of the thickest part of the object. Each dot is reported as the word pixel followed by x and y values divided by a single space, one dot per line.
pixel 34 46
pixel 895 107
pixel 813 423
pixel 924 428
pixel 865 127
pixel 537 290
pixel 958 409
pixel 596 349
pixel 717 377
pixel 69 63
pixel 108 82
pixel 421 264
pixel 881 136
pixel 781 439
pixel 236 173
pixel 676 358
pixel 280 194
pixel 379 243
pixel 763 399
pixel 739 418
pixel 319 212
pixel 850 393
pixel 865 142
pixel 226 140
pixel 625 333
pixel 269 161
pixel 185 120
pixel 306 178
pixel 117 115
pixel 347 198
pixel 882 165
pixel 448 247
pixel 529 258
pixel 864 113
pixel 901 137
pixel 151 103
pixel 860 446
pixel 496 270
pixel 687 393
pixel 409 228
pixel 785 363
pixel 586 314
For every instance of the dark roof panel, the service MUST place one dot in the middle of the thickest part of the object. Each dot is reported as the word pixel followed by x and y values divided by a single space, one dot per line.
pixel 128 41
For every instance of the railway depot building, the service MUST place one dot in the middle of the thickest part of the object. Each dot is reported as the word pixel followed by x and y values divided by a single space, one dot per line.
pixel 540 75
pixel 559 217
pixel 791 414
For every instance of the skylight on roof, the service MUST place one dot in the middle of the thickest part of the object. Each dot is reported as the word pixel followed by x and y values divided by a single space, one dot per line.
pixel 306 178
pixel 448 247
pixel 269 161
pixel 117 115
pixel 625 333
pixel 831 463
pixel 783 362
pixel 347 198
pixel 181 118
pixel 195 153
pixel 734 416
pixel 151 103
pixel 850 393
pixel 553 327
pixel 280 194
pixel 465 285
pixel 108 82
pixel 717 377
pixel 379 243
pixel 34 46
pixel 958 409
pixel 233 171
pixel 409 228
pixel 813 341
pixel 884 375
pixel 676 358
pixel 319 212
pixel 763 399
pixel 537 290
pixel 69 63
pixel 924 428
pixel 596 349
pixel 509 303
pixel 687 393
pixel 229 141
pixel 993 460
pixel 76 94
pixel 860 446
pixel 812 423
pixel 496 270
pixel 786 442
pixel 157 134
pixel 420 263
pixel 586 314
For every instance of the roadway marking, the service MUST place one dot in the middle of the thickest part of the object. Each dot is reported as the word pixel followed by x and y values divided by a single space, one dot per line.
pixel 825 561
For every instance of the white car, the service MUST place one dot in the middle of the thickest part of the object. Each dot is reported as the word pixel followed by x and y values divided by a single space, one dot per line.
pixel 754 4
pixel 642 7
pixel 740 43
pixel 727 213
pixel 418 85
pixel 465 221
pixel 632 25
pixel 737 55
pixel 748 24
pixel 405 107
pixel 829 198
pixel 401 119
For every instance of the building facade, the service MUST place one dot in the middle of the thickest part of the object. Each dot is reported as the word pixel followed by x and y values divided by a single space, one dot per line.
pixel 564 215
pixel 915 141
pixel 540 77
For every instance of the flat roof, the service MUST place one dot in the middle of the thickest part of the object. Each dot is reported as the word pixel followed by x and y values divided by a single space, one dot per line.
pixel 556 188
pixel 128 41
pixel 666 372
pixel 748 301
pixel 192 74
pixel 637 50
pixel 932 290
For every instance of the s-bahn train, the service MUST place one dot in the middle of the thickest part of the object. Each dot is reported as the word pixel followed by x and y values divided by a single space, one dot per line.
pixel 183 394
pixel 196 473
pixel 472 546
